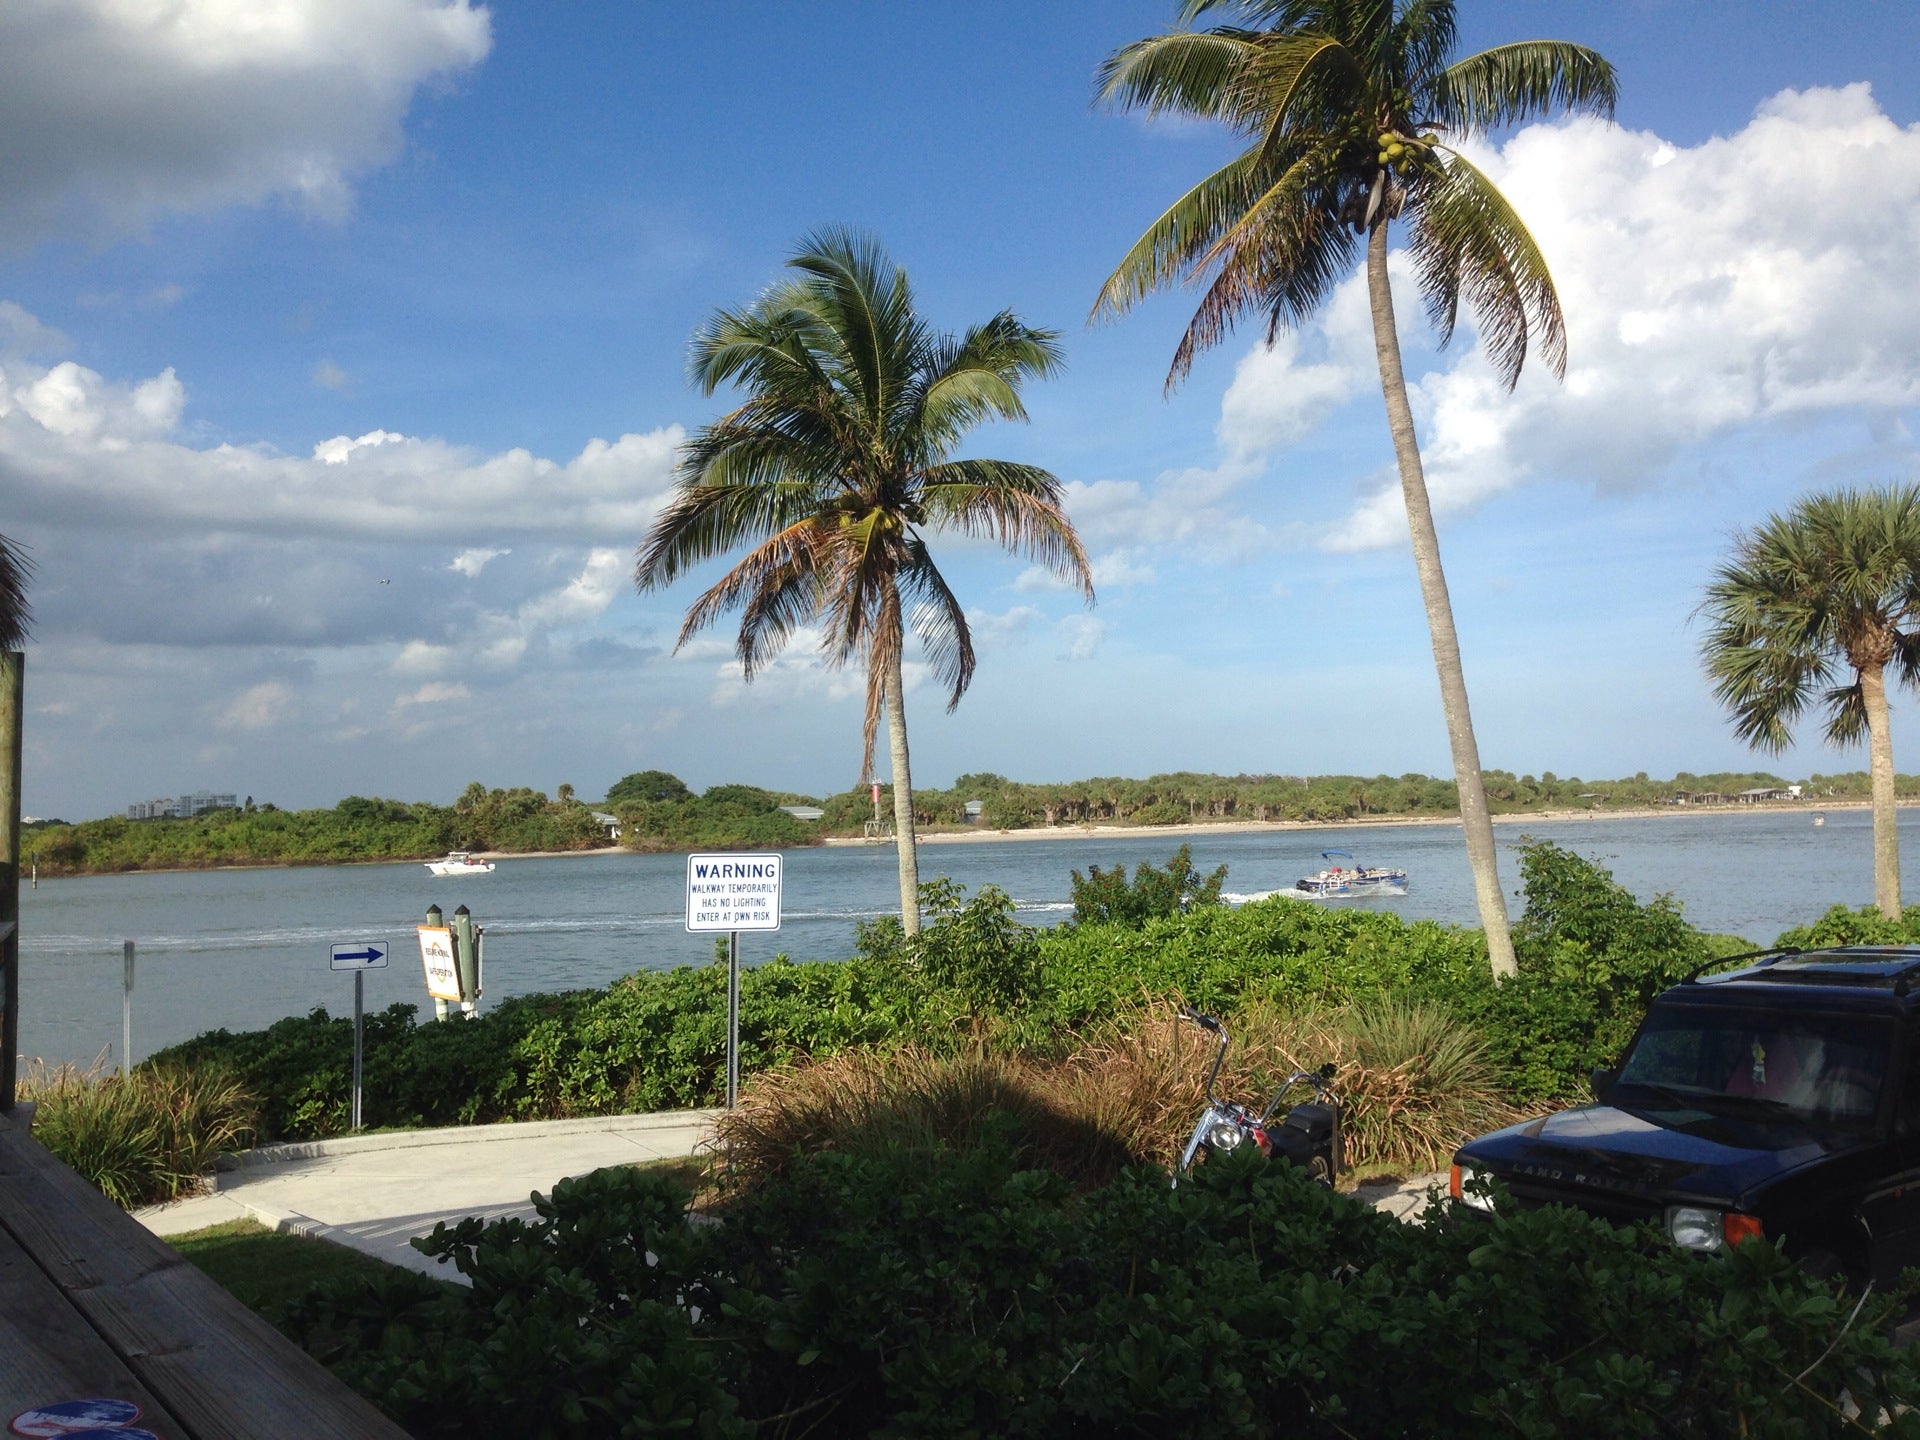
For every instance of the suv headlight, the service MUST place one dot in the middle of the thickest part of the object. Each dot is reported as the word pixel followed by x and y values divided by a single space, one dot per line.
pixel 1695 1228
pixel 1469 1187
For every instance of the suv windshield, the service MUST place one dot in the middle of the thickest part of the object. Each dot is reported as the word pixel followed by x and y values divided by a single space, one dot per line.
pixel 1819 1067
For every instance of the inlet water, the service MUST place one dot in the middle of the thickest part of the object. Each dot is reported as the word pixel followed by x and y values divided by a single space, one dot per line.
pixel 238 949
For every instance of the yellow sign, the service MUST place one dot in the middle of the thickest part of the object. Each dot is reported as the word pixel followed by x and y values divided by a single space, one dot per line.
pixel 436 953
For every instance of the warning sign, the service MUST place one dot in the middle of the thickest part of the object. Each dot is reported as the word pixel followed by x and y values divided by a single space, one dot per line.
pixel 733 892
pixel 436 953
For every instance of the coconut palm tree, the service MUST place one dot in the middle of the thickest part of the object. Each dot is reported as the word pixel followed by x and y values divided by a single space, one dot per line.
pixel 1353 115
pixel 835 469
pixel 1831 586
pixel 15 616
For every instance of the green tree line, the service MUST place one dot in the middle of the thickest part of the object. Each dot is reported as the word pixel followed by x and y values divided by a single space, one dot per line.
pixel 358 828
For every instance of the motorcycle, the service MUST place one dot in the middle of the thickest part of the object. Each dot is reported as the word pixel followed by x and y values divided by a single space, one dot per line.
pixel 1308 1134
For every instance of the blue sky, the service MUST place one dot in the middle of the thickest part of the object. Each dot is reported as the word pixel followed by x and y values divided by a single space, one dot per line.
pixel 298 297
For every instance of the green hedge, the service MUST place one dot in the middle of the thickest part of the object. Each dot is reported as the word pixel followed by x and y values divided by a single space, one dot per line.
pixel 934 1294
pixel 1590 958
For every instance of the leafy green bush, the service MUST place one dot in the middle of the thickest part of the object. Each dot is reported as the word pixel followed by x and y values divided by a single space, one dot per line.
pixel 955 1293
pixel 143 1138
pixel 1105 897
pixel 1866 926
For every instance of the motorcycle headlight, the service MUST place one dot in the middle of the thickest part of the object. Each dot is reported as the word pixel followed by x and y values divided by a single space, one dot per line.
pixel 1225 1136
pixel 1694 1228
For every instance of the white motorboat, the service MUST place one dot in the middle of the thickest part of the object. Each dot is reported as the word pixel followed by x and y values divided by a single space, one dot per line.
pixel 460 862
pixel 1352 879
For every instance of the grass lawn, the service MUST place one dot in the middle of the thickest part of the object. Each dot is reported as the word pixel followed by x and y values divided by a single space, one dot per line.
pixel 265 1270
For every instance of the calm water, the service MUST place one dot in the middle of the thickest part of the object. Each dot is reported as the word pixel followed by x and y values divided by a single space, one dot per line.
pixel 242 948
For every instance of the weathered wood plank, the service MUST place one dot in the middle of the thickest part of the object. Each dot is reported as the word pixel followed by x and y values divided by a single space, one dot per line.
pixel 222 1371
pixel 49 1353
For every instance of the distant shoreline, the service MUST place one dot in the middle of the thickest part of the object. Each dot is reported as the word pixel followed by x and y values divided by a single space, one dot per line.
pixel 1245 827
pixel 1051 833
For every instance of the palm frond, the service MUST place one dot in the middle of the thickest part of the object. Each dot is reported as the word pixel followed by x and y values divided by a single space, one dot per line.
pixel 1276 79
pixel 1510 84
pixel 1182 234
pixel 1018 506
pixel 1846 714
pixel 939 622
pixel 1469 239
pixel 703 521
pixel 16 616
pixel 776 584
pixel 1192 73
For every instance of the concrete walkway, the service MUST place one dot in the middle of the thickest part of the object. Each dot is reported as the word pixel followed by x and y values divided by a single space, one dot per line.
pixel 374 1193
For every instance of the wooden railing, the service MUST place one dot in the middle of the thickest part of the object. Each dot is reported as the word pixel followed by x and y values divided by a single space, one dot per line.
pixel 92 1307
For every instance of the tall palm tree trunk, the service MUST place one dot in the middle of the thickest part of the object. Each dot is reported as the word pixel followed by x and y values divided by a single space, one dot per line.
pixel 1475 819
pixel 902 797
pixel 1886 816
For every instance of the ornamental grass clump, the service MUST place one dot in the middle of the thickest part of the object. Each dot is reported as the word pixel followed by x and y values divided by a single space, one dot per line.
pixel 140 1138
pixel 872 1104
pixel 1412 1081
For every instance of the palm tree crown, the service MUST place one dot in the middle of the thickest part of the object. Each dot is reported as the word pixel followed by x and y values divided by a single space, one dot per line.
pixel 1813 609
pixel 1354 116
pixel 839 463
pixel 1832 586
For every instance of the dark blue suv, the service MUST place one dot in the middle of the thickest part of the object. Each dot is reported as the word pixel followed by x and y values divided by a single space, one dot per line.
pixel 1780 1099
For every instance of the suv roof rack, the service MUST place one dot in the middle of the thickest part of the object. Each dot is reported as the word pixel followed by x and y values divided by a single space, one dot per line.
pixel 1894 965
pixel 1772 955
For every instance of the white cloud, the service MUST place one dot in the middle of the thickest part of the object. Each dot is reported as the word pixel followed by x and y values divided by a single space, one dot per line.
pixel 1119 568
pixel 1080 636
pixel 78 404
pixel 115 111
pixel 329 376
pixel 991 631
pixel 258 708
pixel 77 446
pixel 471 562
pixel 1745 282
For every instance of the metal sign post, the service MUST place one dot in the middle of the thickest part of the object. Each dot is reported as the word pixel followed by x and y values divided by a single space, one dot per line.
pixel 359 959
pixel 732 893
pixel 126 1009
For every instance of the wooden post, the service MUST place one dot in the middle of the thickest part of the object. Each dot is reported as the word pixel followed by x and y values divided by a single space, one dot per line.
pixel 13 665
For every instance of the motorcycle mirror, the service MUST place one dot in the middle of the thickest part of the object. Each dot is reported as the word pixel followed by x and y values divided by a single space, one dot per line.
pixel 1325 1072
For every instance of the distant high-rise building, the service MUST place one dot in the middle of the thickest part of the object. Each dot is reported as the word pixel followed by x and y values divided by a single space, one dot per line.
pixel 184 808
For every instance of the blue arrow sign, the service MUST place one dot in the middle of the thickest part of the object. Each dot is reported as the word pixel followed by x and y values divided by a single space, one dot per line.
pixel 361 957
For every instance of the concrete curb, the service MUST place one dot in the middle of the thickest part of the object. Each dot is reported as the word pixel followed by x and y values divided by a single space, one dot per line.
pixel 462 1135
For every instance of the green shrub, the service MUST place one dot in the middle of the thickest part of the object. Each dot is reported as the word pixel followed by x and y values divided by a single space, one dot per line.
pixel 955 1293
pixel 143 1138
pixel 1591 959
pixel 1105 897
pixel 1865 926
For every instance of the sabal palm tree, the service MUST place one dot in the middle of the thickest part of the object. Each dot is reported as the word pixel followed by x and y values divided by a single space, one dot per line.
pixel 835 469
pixel 1353 114
pixel 15 616
pixel 1832 586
